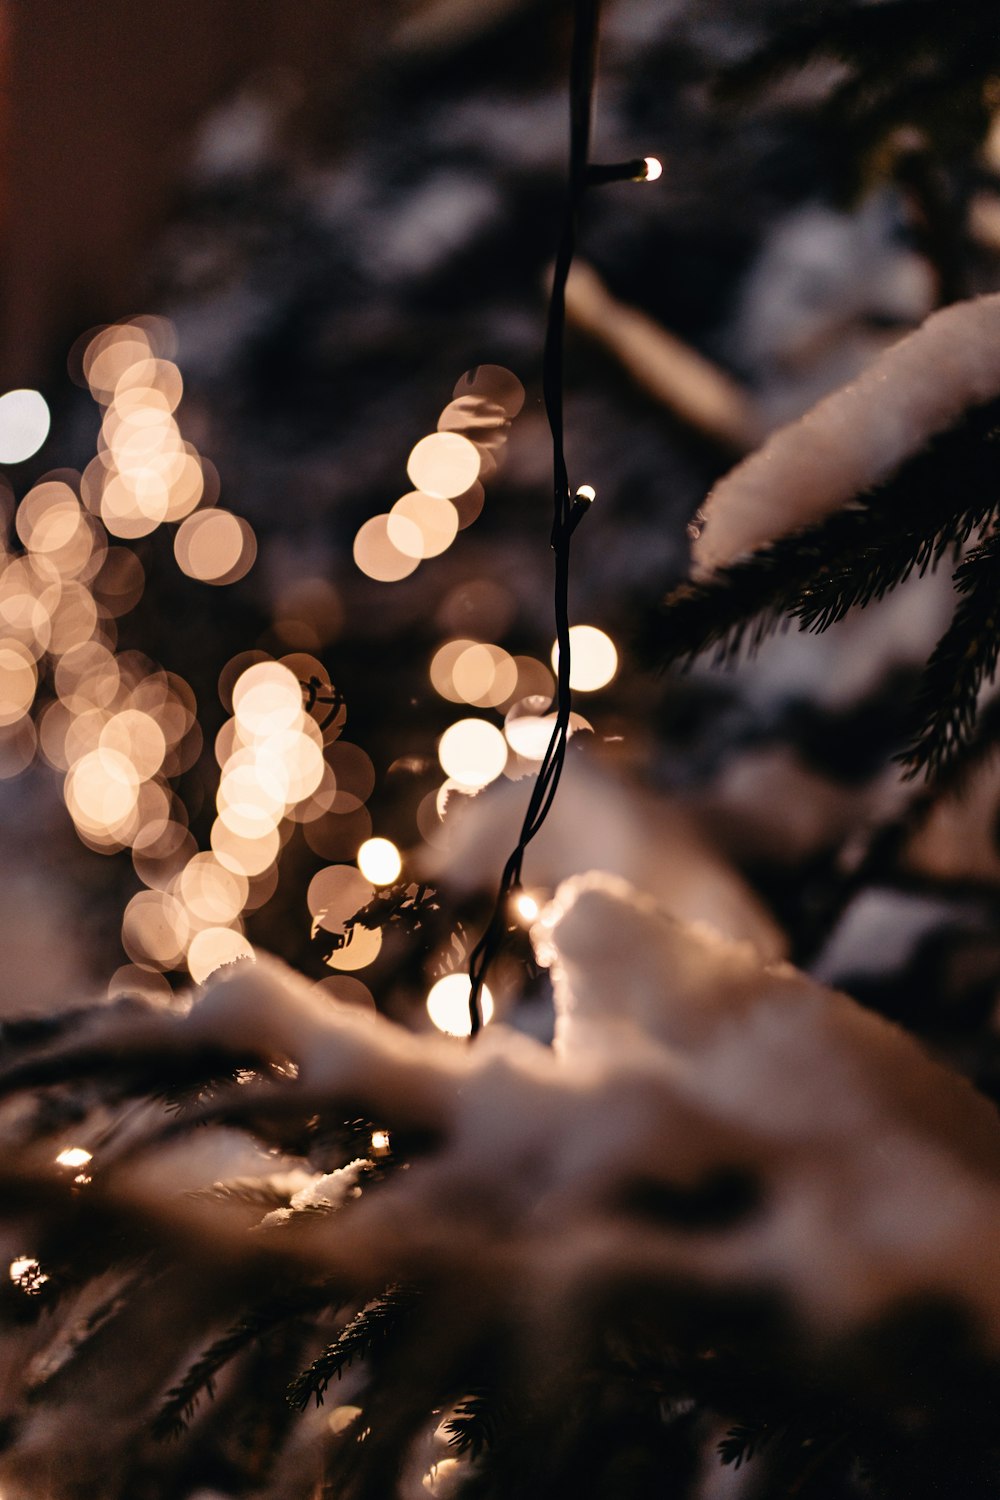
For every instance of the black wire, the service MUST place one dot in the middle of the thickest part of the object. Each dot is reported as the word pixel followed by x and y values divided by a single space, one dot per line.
pixel 567 513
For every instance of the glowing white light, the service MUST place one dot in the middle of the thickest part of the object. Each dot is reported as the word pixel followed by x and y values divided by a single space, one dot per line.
pixel 448 1004
pixel 213 947
pixel 25 1271
pixel 379 861
pixel 526 906
pixel 586 492
pixel 267 699
pixel 380 1142
pixel 472 752
pixel 73 1156
pixel 444 464
pixel 593 658
pixel 654 168
pixel 24 425
pixel 342 1416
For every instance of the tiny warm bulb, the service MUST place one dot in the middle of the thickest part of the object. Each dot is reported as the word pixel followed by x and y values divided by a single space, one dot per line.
pixel 526 906
pixel 654 168
pixel 73 1156
pixel 586 492
pixel 379 861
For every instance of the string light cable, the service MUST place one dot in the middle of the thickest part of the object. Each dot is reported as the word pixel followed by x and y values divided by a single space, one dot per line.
pixel 568 511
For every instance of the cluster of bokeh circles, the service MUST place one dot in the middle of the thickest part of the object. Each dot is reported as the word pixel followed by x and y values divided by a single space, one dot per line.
pixel 447 469
pixel 514 694
pixel 277 768
pixel 145 473
pixel 121 731
pixel 118 728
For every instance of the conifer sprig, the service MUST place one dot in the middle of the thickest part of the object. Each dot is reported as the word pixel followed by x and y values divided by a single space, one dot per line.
pixel 963 660
pixel 931 506
pixel 181 1401
pixel 371 1331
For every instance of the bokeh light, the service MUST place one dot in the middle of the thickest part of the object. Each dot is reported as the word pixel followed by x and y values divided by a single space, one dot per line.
pixel 213 947
pixel 494 383
pixel 361 949
pixel 378 556
pixel 379 861
pixel 472 752
pixel 448 1004
pixel 24 425
pixel 18 680
pixel 215 546
pixel 335 894
pixel 436 523
pixel 444 464
pixel 593 658
pixel 347 990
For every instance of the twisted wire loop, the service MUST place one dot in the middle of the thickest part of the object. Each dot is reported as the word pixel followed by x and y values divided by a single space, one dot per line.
pixel 567 512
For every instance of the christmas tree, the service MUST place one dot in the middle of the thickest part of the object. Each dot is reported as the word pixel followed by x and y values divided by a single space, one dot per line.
pixel 501 986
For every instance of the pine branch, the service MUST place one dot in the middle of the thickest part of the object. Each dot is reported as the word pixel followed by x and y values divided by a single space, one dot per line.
pixel 81 1337
pixel 964 658
pixel 182 1400
pixel 372 1330
pixel 743 1440
pixel 855 556
pixel 472 1426
pixel 886 49
pixel 407 903
pixel 248 1191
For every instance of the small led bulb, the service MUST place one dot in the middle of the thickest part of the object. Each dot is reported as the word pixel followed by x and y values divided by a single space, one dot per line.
pixel 526 907
pixel 73 1156
pixel 654 168
pixel 586 492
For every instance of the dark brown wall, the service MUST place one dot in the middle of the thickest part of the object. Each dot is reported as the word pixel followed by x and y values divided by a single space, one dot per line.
pixel 99 99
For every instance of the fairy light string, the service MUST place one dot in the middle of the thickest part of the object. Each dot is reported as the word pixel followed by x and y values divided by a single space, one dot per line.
pixel 568 511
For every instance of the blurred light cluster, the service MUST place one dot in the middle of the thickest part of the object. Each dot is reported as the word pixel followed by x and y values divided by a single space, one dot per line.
pixel 447 469
pixel 118 728
pixel 279 765
pixel 145 472
pixel 474 751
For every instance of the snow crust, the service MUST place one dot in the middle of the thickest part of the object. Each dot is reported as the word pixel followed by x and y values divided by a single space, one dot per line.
pixel 857 436
pixel 601 820
pixel 874 1171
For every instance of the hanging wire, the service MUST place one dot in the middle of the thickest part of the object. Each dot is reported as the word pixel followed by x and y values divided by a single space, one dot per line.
pixel 567 512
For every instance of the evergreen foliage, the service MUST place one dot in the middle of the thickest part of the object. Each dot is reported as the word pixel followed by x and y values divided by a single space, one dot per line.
pixel 913 1421
pixel 182 1400
pixel 813 577
pixel 367 1336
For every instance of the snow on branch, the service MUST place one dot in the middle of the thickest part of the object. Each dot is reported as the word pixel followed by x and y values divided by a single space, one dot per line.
pixel 856 437
pixel 867 1173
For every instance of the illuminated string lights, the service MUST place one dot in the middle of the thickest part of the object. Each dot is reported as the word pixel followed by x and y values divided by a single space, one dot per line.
pixel 448 1004
pixel 567 511
pixel 73 1156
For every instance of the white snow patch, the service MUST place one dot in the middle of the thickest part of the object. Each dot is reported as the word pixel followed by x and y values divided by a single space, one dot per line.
pixel 858 435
